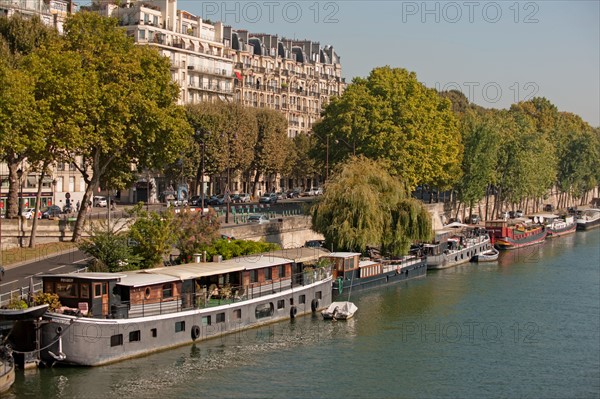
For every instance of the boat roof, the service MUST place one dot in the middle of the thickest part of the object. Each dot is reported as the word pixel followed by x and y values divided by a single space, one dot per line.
pixel 300 255
pixel 544 215
pixel 455 225
pixel 86 275
pixel 364 263
pixel 194 270
pixel 342 254
pixel 137 279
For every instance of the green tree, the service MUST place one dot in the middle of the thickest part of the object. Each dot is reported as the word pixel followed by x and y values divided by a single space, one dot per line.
pixel 272 145
pixel 363 205
pixel 393 117
pixel 195 232
pixel 110 250
pixel 23 120
pixel 299 156
pixel 153 235
pixel 129 103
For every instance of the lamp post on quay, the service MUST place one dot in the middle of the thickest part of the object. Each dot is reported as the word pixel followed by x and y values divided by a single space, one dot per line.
pixel 226 194
pixel 20 203
pixel 201 135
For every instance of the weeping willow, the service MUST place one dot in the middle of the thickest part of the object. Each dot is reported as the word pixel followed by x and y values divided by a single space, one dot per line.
pixel 364 205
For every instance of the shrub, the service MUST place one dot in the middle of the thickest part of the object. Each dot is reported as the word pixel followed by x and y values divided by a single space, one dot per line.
pixel 51 299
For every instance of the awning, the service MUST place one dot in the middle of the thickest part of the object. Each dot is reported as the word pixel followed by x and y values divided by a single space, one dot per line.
pixel 238 75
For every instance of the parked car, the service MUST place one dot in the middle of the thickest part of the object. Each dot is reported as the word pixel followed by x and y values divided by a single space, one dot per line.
pixel 268 199
pixel 258 218
pixel 319 191
pixel 475 219
pixel 100 201
pixel 293 193
pixel 51 212
pixel 29 212
pixel 241 198
pixel 505 215
pixel 519 213
pixel 280 195
pixel 548 208
pixel 310 192
pixel 216 200
pixel 196 200
pixel 314 244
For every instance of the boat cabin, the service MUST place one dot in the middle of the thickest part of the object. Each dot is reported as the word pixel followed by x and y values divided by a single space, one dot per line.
pixel 86 292
pixel 345 264
pixel 521 230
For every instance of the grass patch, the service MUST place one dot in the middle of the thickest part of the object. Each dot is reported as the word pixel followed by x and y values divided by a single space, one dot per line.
pixel 16 255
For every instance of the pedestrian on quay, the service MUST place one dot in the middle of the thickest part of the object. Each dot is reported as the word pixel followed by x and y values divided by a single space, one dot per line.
pixel 1 272
pixel 77 205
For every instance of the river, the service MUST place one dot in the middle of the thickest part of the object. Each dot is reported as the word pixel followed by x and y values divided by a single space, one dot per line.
pixel 525 326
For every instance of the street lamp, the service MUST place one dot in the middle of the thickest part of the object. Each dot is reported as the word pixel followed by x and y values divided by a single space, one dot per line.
pixel 350 147
pixel 20 203
pixel 201 135
pixel 227 197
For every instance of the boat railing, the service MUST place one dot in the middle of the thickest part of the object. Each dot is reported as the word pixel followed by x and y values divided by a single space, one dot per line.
pixel 221 295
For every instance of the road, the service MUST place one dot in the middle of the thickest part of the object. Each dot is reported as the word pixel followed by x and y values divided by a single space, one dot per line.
pixel 18 276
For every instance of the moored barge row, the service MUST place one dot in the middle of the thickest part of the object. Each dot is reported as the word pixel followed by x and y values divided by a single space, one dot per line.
pixel 455 246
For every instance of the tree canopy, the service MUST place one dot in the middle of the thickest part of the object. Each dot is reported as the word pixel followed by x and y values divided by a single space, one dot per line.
pixel 363 205
pixel 392 117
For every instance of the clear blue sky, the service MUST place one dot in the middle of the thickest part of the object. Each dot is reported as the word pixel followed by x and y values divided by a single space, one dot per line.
pixel 495 52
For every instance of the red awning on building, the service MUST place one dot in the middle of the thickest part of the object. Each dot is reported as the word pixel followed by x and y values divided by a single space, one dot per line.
pixel 238 75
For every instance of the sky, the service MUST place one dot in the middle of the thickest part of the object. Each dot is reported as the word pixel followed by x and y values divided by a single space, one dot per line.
pixel 495 52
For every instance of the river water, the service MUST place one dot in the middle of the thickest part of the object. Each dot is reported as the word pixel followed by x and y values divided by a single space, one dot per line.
pixel 527 326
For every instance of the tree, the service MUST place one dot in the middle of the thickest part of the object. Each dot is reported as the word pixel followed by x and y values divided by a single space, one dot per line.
pixel 129 103
pixel 152 234
pixel 272 145
pixel 392 117
pixel 23 120
pixel 364 205
pixel 195 232
pixel 299 156
pixel 111 251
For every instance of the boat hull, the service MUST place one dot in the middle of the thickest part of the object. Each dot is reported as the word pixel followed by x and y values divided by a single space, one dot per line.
pixel 507 243
pixel 342 287
pixel 554 233
pixel 93 342
pixel 7 375
pixel 588 225
pixel 490 256
pixel 464 255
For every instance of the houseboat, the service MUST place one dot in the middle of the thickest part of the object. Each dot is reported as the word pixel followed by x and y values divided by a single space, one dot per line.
pixel 513 236
pixel 350 273
pixel 7 369
pixel 588 219
pixel 556 226
pixel 455 246
pixel 111 317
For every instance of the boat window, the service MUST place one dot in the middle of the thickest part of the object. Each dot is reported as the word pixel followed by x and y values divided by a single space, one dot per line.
pixel 135 336
pixel 154 332
pixel 319 295
pixel 116 340
pixel 220 317
pixel 104 288
pixel 253 276
pixel 302 299
pixel 281 304
pixel 66 290
pixel 97 290
pixel 84 290
pixel 179 326
pixel 147 293
pixel 268 273
pixel 237 314
pixel 49 287
pixel 264 310
pixel 168 290
pixel 281 271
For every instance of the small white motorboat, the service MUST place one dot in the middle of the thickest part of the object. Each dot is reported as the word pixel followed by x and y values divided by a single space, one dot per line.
pixel 487 256
pixel 339 311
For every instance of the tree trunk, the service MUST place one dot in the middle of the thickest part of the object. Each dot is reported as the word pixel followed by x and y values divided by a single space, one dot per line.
pixel 255 185
pixel 88 195
pixel 38 198
pixel 14 187
pixel 487 202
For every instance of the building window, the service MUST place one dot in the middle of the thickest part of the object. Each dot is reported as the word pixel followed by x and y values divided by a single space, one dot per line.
pixel 71 184
pixel 220 317
pixel 167 290
pixel 135 336
pixel 206 321
pixel 281 304
pixel 268 273
pixel 302 299
pixel 253 276
pixel 154 332
pixel 179 326
pixel 116 340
